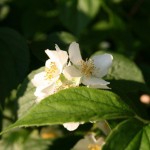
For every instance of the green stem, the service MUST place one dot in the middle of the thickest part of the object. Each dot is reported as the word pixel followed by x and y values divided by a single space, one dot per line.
pixel 142 120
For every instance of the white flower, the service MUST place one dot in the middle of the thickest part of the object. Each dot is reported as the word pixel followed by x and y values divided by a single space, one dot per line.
pixel 104 127
pixel 45 82
pixel 89 143
pixel 91 70
pixel 71 125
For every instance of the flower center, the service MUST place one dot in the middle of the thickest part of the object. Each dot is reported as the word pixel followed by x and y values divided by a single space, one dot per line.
pixel 51 71
pixel 87 67
pixel 64 85
pixel 94 147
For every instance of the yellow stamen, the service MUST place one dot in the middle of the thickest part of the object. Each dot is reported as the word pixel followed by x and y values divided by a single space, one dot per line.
pixel 94 147
pixel 64 85
pixel 50 72
pixel 87 67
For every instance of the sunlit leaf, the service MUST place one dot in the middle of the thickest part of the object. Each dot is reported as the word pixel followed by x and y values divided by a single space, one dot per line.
pixel 74 105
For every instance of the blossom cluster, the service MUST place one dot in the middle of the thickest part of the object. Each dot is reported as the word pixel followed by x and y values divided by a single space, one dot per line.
pixel 64 70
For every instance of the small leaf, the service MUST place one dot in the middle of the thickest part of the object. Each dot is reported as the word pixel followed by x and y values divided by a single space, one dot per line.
pixel 75 105
pixel 129 135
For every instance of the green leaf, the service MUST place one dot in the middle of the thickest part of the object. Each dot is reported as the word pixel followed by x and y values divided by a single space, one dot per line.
pixel 145 145
pixel 75 105
pixel 129 135
pixel 14 56
pixel 25 94
pixel 76 14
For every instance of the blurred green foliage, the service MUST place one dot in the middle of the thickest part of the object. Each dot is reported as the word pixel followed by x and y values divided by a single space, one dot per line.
pixel 28 27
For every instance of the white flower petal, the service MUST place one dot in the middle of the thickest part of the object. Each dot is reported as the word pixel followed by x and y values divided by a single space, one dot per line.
pixel 74 53
pixel 82 144
pixel 103 125
pixel 53 55
pixel 76 81
pixel 44 91
pixel 71 125
pixel 48 63
pixel 88 140
pixel 58 56
pixel 39 79
pixel 49 90
pixel 63 56
pixel 94 82
pixel 102 63
pixel 39 90
pixel 38 93
pixel 71 72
